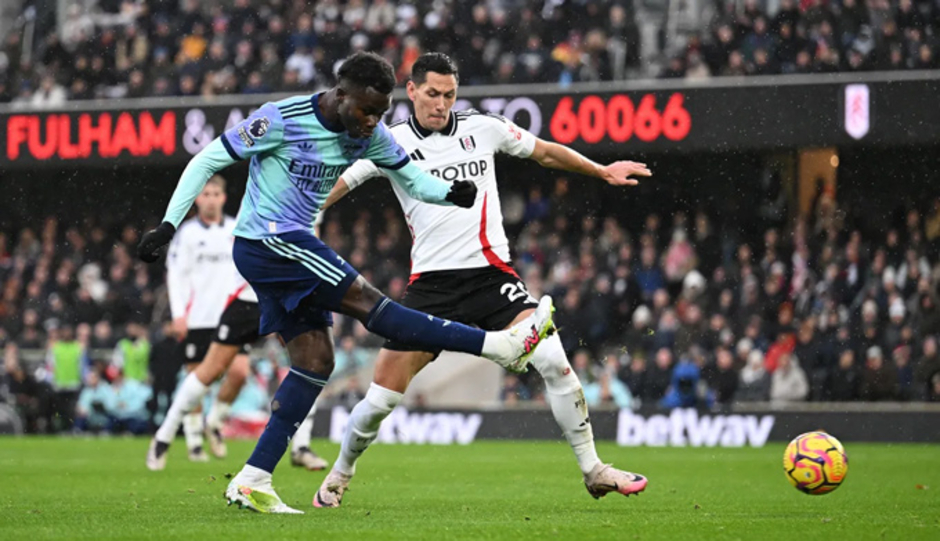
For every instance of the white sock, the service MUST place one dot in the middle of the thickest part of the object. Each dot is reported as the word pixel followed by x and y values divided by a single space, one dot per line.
pixel 566 397
pixel 192 429
pixel 363 427
pixel 218 415
pixel 302 436
pixel 190 393
pixel 253 477
pixel 498 347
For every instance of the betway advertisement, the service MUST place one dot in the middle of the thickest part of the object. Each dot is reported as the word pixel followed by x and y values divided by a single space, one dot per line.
pixel 676 428
pixel 600 123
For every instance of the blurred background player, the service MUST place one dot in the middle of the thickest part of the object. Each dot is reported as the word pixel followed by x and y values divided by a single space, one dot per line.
pixel 237 331
pixel 298 148
pixel 199 279
pixel 460 266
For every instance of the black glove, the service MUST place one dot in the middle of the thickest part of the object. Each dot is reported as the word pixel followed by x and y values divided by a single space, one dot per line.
pixel 462 193
pixel 149 248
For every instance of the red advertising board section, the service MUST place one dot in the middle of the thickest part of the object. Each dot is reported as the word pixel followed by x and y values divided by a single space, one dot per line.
pixel 605 123
pixel 90 135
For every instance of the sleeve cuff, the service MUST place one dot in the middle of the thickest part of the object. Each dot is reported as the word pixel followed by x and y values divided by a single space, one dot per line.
pixel 395 167
pixel 229 148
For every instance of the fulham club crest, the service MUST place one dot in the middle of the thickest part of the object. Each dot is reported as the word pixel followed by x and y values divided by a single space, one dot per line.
pixel 857 110
pixel 468 143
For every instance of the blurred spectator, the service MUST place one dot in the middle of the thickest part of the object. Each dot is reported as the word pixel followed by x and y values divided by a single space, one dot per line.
pixel 639 337
pixel 607 389
pixel 92 409
pixel 349 358
pixel 660 375
pixel 132 354
pixel 128 406
pixel 49 94
pixel 879 379
pixel 350 395
pixel 684 389
pixel 788 383
pixel 648 275
pixel 634 376
pixel 65 360
pixel 301 62
pixel 723 378
pixel 513 390
pixel 901 357
pixel 845 379
pixel 755 381
pixel 933 393
pixel 164 364
pixel 30 397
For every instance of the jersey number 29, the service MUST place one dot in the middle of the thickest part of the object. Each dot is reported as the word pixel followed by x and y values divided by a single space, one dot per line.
pixel 515 292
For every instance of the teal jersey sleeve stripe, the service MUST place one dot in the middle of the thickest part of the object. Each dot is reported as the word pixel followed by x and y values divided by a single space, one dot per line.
pixel 228 147
pixel 396 166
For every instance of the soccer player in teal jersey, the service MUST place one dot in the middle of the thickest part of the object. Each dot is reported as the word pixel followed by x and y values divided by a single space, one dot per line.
pixel 298 148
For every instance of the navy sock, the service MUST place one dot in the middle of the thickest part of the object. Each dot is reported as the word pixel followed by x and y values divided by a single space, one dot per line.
pixel 290 406
pixel 395 322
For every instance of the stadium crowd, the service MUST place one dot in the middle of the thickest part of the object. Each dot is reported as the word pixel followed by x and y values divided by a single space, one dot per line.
pixel 679 312
pixel 167 48
pixel 813 36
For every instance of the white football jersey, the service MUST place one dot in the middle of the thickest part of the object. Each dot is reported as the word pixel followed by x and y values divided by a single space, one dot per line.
pixel 449 237
pixel 201 277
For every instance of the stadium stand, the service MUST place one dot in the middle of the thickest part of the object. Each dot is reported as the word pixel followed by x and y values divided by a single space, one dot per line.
pixel 112 49
pixel 815 310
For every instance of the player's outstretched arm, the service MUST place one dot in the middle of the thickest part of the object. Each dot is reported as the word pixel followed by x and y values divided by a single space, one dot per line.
pixel 339 191
pixel 206 163
pixel 430 189
pixel 391 158
pixel 557 156
pixel 357 174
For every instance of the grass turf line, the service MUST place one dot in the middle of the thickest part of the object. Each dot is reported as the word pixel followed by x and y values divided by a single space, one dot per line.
pixel 99 489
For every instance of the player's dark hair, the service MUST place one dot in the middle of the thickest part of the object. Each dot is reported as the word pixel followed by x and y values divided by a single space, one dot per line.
pixel 365 70
pixel 432 62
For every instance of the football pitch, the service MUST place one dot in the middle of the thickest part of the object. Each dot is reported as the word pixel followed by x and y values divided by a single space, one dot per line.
pixel 78 488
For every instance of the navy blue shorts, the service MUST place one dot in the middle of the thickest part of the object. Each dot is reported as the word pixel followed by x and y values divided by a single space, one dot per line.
pixel 298 279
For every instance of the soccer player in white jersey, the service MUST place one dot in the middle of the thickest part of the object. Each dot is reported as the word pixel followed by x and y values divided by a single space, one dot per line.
pixel 237 331
pixel 461 270
pixel 199 276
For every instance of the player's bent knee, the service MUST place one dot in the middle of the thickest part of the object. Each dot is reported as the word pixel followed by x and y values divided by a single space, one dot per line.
pixel 552 363
pixel 221 354
pixel 319 364
pixel 217 360
pixel 313 350
pixel 239 370
pixel 360 298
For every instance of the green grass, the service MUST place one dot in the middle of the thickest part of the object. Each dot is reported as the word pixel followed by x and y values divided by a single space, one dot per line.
pixel 99 489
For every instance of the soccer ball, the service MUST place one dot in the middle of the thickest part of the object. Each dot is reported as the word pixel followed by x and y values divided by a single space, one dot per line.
pixel 815 463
